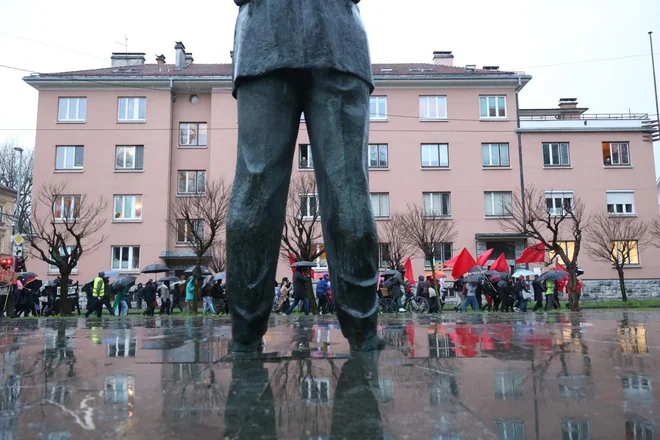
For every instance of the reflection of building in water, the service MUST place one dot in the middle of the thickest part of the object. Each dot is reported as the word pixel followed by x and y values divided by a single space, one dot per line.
pixel 639 430
pixel 440 346
pixel 386 388
pixel 508 384
pixel 120 389
pixel 10 395
pixel 60 435
pixel 315 390
pixel 58 393
pixel 636 387
pixel 122 346
pixel 510 430
pixel 192 391
pixel 450 436
pixel 632 339
pixel 575 429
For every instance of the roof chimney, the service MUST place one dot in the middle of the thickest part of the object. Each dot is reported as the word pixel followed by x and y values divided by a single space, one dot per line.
pixel 160 59
pixel 569 110
pixel 568 103
pixel 189 58
pixel 491 67
pixel 119 59
pixel 180 50
pixel 443 58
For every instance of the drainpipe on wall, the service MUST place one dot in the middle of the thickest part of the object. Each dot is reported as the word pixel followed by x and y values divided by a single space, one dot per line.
pixel 168 232
pixel 520 154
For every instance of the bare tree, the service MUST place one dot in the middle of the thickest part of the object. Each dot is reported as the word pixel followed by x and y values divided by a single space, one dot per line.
pixel 542 220
pixel 399 246
pixel 302 226
pixel 199 221
pixel 218 258
pixel 425 231
pixel 615 239
pixel 654 232
pixel 9 161
pixel 62 228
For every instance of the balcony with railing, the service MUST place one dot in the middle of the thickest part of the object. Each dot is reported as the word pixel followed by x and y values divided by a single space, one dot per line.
pixel 573 121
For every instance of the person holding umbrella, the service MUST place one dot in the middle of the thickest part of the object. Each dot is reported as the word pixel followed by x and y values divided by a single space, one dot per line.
pixel 300 280
pixel 149 297
pixel 164 291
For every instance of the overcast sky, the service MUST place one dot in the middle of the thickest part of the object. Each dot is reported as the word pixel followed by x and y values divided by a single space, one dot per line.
pixel 555 41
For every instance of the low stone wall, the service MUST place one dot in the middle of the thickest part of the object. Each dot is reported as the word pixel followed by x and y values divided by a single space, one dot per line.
pixel 599 290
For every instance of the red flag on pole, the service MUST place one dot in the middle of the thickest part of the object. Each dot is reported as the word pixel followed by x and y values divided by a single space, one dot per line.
pixel 409 271
pixel 560 267
pixel 532 254
pixel 451 262
pixel 483 258
pixel 464 262
pixel 500 264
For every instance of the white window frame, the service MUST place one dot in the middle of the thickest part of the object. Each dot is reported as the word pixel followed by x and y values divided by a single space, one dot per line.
pixel 570 425
pixel 568 246
pixel 382 262
pixel 131 249
pixel 443 255
pixel 321 263
pixel 438 150
pixel 377 115
pixel 75 200
pixel 559 146
pixel 135 117
pixel 510 429
pixel 68 101
pixel 310 158
pixel 136 206
pixel 619 145
pixel 69 150
pixel 308 198
pixel 430 212
pixel 188 237
pixel 499 105
pixel 563 195
pixel 322 387
pixel 612 195
pixel 55 269
pixel 633 251
pixel 135 155
pixel 434 106
pixel 380 197
pixel 494 203
pixel 198 128
pixel 499 147
pixel 187 192
pixel 379 148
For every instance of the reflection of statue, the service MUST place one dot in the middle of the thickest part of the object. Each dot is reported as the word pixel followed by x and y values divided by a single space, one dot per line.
pixel 293 57
pixel 250 411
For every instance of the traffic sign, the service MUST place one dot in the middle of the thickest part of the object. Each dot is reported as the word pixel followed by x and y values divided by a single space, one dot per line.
pixel 17 239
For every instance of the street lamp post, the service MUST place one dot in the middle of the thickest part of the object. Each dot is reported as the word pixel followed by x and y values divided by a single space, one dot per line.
pixel 17 207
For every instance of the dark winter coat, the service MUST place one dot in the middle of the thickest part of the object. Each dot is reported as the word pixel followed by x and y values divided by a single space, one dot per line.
pixel 149 293
pixel 322 286
pixel 538 290
pixel 300 285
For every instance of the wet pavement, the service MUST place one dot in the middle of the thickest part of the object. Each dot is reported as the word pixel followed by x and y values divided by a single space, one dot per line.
pixel 519 376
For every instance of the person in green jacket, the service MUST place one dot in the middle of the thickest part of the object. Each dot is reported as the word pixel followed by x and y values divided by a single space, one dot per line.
pixel 549 295
pixel 190 292
pixel 120 306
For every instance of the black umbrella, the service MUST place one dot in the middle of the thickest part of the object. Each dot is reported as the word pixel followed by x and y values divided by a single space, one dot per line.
pixel 156 268
pixel 35 284
pixel 171 279
pixel 88 283
pixel 303 264
pixel 491 273
pixel 554 275
pixel 205 270
pixel 122 282
pixel 52 283
pixel 27 275
pixel 389 272
pixel 475 278
pixel 580 272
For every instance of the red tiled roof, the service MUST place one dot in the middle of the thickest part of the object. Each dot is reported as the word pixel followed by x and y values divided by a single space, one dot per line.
pixel 195 69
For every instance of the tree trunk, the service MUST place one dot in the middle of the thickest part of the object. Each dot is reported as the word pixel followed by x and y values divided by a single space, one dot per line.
pixel 64 292
pixel 197 274
pixel 313 307
pixel 573 297
pixel 622 284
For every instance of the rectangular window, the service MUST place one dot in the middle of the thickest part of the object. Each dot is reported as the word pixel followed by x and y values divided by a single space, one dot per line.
pixel 129 157
pixel 69 157
pixel 441 253
pixel 126 258
pixel 2 214
pixel 383 255
pixel 626 252
pixel 432 107
pixel 556 155
pixel 575 429
pixel 559 202
pixel 309 205
pixel 306 161
pixel 380 203
pixel 492 107
pixel 435 155
pixel 437 204
pixel 508 384
pixel 621 202
pixel 66 208
pixel 322 259
pixel 495 155
pixel 191 182
pixel 192 134
pixel 315 389
pixel 497 204
pixel 378 108
pixel 639 430
pixel 568 248
pixel 510 430
pixel 378 156
pixel 128 208
pixel 72 110
pixel 52 268
pixel 616 154
pixel 132 109
pixel 185 234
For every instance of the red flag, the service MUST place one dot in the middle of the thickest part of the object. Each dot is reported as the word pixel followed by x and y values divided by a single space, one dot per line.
pixel 409 271
pixel 500 264
pixel 483 258
pixel 560 267
pixel 451 262
pixel 464 262
pixel 532 254
pixel 292 259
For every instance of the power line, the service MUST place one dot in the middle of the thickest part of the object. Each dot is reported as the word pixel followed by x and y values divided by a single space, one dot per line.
pixel 52 45
pixel 583 61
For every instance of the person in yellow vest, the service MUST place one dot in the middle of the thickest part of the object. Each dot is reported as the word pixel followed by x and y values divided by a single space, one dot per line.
pixel 98 294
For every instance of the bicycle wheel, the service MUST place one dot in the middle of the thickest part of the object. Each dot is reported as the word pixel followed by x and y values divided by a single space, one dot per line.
pixel 387 305
pixel 419 305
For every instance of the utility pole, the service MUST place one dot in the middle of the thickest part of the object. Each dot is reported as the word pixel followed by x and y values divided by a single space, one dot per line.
pixel 17 209
pixel 655 85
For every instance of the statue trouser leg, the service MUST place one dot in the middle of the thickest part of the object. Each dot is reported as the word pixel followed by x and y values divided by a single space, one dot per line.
pixel 269 115
pixel 336 109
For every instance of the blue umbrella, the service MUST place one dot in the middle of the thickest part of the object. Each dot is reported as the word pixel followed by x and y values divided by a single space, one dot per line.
pixel 523 272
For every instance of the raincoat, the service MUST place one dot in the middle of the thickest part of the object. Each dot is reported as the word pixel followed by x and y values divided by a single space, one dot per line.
pixel 190 289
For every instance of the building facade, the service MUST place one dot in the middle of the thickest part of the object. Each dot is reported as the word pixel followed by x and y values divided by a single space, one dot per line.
pixel 442 136
pixel 7 204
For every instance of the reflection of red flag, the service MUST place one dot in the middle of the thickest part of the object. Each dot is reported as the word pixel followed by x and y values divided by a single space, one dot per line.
pixel 483 258
pixel 500 264
pixel 451 262
pixel 410 331
pixel 409 271
pixel 463 263
pixel 532 254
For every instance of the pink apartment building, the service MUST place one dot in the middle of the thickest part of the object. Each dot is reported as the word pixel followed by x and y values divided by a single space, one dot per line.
pixel 441 135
